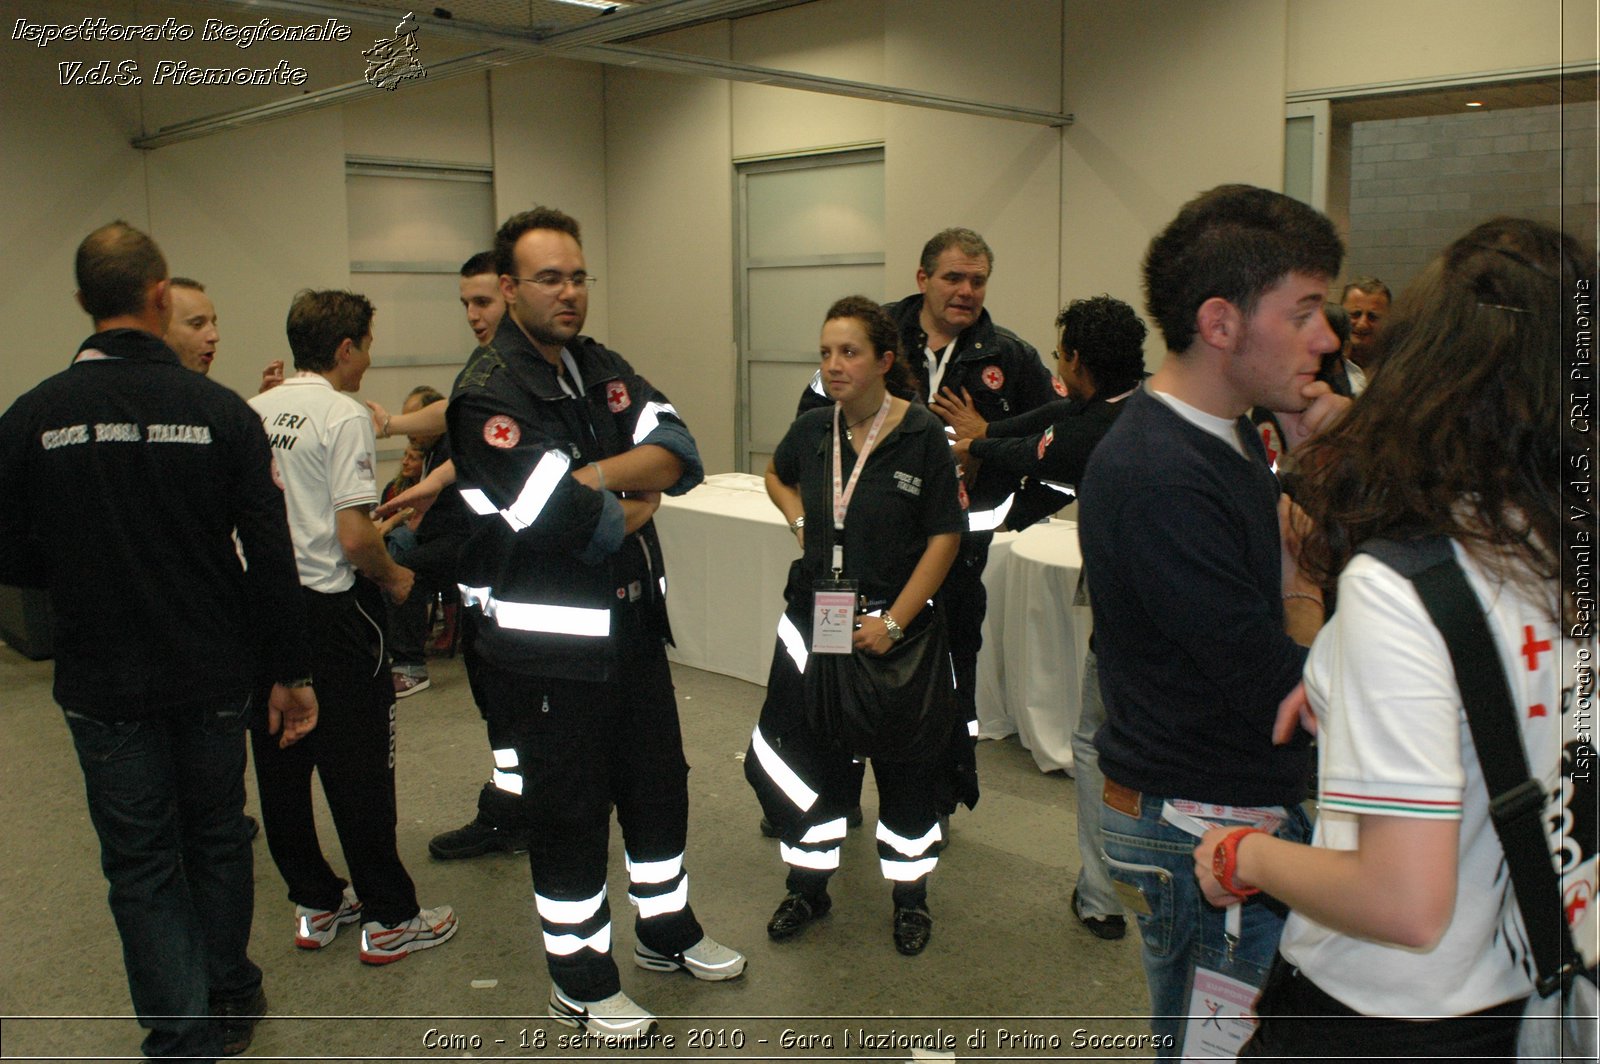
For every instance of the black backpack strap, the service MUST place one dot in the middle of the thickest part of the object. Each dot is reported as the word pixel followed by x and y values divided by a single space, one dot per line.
pixel 1516 801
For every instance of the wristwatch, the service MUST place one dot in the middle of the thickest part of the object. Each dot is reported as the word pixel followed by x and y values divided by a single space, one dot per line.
pixel 797 524
pixel 1225 861
pixel 895 631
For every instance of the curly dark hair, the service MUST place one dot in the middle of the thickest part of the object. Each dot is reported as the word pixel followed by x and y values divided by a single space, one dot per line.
pixel 1109 337
pixel 1462 431
pixel 883 336
pixel 511 230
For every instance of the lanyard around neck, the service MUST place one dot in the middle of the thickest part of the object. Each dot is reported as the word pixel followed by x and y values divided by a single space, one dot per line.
pixel 937 364
pixel 841 496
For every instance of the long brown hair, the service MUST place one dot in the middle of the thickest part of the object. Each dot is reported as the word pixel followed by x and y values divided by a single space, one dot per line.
pixel 1461 428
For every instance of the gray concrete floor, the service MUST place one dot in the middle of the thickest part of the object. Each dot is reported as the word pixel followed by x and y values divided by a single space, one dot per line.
pixel 1008 964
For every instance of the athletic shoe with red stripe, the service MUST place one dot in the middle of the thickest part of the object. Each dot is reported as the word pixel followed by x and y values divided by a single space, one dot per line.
pixel 315 928
pixel 385 945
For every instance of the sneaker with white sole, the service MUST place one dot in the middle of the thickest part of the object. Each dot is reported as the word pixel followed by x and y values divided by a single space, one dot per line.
pixel 406 685
pixel 618 1016
pixel 315 928
pixel 385 945
pixel 707 959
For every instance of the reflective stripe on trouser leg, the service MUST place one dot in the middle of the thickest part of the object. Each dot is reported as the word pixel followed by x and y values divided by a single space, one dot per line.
pixel 904 860
pixel 658 888
pixel 571 926
pixel 819 847
pixel 507 773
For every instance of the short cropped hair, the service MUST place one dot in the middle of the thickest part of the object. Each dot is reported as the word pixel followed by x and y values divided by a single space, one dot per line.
pixel 969 242
pixel 186 282
pixel 1235 242
pixel 115 267
pixel 320 321
pixel 1370 285
pixel 1109 337
pixel 505 240
pixel 482 262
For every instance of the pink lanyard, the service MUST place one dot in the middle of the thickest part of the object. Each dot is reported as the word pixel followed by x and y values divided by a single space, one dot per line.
pixel 841 497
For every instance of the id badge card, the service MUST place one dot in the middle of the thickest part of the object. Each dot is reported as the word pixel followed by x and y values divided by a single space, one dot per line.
pixel 833 616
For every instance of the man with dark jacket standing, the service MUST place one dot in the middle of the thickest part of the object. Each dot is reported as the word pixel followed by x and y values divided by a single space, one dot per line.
pixel 126 477
pixel 562 451
pixel 970 371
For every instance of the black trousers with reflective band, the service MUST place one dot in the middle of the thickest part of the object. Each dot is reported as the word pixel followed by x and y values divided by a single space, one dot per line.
pixel 582 746
pixel 1300 1021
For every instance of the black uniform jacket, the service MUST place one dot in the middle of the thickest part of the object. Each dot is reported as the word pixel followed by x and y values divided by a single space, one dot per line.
pixel 546 563
pixel 123 480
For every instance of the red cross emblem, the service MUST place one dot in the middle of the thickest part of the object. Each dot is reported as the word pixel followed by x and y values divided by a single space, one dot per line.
pixel 1576 902
pixel 961 493
pixel 1537 710
pixel 994 378
pixel 617 399
pixel 1532 648
pixel 500 431
pixel 1045 440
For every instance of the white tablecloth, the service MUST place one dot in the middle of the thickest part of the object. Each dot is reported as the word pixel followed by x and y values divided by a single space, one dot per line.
pixel 1030 673
pixel 728 552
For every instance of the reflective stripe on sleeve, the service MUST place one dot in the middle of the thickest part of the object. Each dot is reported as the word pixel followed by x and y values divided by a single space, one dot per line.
pixel 510 782
pixel 989 520
pixel 649 418
pixel 972 728
pixel 478 502
pixel 537 489
pixel 506 758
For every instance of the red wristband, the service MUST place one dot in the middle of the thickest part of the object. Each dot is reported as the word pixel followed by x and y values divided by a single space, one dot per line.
pixel 1225 861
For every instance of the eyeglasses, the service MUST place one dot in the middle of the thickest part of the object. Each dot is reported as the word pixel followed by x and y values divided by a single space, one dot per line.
pixel 552 283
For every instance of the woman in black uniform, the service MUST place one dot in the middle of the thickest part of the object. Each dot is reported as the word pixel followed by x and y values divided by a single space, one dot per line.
pixel 869 487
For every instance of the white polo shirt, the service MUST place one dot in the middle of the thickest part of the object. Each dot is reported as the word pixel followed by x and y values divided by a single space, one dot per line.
pixel 324 452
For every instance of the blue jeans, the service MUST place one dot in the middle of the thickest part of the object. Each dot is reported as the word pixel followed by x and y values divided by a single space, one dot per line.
pixel 1181 929
pixel 1096 896
pixel 166 796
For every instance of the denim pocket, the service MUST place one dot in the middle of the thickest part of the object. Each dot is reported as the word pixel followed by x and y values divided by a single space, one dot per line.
pixel 101 740
pixel 1154 885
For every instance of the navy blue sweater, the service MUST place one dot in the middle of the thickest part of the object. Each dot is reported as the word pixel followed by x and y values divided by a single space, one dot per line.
pixel 1180 543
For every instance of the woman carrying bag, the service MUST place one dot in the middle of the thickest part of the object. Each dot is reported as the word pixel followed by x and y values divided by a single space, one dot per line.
pixel 862 665
pixel 1406 938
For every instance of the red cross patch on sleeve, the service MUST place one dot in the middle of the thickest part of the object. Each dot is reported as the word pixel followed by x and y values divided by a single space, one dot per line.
pixel 617 398
pixel 500 431
pixel 994 378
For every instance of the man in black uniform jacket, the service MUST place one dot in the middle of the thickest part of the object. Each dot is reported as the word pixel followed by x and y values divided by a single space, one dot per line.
pixel 970 371
pixel 125 478
pixel 562 452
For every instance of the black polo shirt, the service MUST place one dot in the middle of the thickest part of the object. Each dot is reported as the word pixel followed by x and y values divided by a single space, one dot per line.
pixel 908 491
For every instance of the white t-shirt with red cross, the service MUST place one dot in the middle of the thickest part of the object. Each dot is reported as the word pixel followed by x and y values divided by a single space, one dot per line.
pixel 1394 741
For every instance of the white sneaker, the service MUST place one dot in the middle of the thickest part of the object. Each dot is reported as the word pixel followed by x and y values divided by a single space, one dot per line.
pixel 385 945
pixel 315 928
pixel 707 959
pixel 617 1015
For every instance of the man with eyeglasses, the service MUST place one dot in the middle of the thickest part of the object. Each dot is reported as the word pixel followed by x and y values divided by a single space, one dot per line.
pixel 563 452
